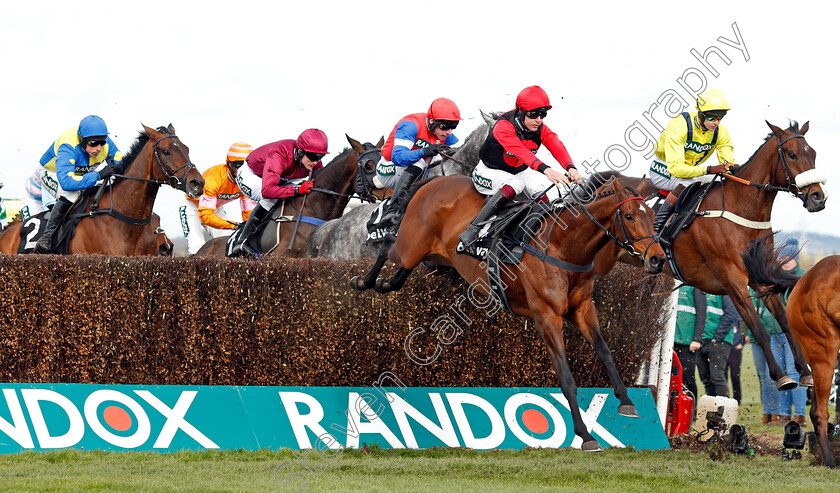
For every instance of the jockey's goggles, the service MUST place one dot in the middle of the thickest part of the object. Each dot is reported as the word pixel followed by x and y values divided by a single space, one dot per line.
pixel 447 124
pixel 537 113
pixel 236 164
pixel 713 118
pixel 314 156
pixel 95 142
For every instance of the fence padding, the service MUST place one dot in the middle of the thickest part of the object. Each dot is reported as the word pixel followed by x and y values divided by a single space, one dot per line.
pixel 191 321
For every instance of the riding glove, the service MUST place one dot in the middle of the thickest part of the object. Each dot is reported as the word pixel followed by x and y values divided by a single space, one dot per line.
pixel 711 170
pixel 434 150
pixel 106 173
pixel 304 188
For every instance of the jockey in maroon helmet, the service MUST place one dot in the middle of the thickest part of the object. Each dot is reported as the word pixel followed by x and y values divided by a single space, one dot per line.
pixel 277 171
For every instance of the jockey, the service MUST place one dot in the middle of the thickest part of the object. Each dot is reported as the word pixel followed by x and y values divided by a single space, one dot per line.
pixel 275 171
pixel 508 164
pixel 688 141
pixel 36 198
pixel 77 160
pixel 406 154
pixel 205 214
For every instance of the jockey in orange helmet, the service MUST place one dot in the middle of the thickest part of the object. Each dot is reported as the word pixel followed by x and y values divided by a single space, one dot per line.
pixel 277 171
pixel 410 147
pixel 205 215
pixel 508 165
pixel 687 142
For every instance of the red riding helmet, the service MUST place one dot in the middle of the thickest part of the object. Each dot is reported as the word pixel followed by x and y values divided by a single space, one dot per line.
pixel 312 140
pixel 443 109
pixel 532 98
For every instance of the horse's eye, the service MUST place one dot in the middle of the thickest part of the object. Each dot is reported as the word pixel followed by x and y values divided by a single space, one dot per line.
pixel 792 155
pixel 165 152
pixel 629 217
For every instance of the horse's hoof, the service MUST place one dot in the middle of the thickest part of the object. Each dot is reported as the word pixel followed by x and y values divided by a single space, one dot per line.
pixel 358 283
pixel 381 285
pixel 786 383
pixel 592 446
pixel 628 410
pixel 807 381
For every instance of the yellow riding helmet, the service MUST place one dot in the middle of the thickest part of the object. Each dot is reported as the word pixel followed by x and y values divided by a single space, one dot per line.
pixel 712 100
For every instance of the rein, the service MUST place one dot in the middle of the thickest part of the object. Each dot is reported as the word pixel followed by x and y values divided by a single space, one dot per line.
pixel 176 182
pixel 780 158
pixel 628 241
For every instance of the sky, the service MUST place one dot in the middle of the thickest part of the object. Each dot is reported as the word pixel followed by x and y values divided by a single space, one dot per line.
pixel 258 72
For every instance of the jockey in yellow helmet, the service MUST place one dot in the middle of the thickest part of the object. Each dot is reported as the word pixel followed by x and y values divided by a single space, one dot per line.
pixel 685 144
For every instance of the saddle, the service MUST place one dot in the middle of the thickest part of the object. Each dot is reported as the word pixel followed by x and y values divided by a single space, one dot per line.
pixel 263 240
pixel 685 210
pixel 32 228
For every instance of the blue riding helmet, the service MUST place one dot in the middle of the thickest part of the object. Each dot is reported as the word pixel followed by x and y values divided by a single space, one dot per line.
pixel 92 126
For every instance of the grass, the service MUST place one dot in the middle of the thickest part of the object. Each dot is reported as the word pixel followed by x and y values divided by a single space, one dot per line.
pixel 432 470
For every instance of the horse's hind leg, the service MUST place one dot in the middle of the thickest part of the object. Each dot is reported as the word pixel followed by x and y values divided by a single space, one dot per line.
pixel 774 303
pixel 551 329
pixel 369 280
pixel 586 319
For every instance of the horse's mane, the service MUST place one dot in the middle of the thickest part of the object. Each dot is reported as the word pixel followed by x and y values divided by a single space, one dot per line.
pixel 135 149
pixel 793 126
pixel 343 154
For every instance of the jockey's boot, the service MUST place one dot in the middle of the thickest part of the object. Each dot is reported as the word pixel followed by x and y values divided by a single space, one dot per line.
pixel 399 199
pixel 57 215
pixel 491 208
pixel 241 247
pixel 662 215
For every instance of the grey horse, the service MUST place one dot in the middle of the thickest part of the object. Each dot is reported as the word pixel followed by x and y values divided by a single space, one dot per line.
pixel 345 237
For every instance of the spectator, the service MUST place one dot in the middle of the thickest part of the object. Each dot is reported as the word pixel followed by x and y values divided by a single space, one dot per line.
pixel 691 319
pixel 721 318
pixel 733 366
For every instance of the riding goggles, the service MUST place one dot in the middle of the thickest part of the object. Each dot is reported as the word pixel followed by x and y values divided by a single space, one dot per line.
pixel 314 156
pixel 537 113
pixel 95 142
pixel 447 124
pixel 713 118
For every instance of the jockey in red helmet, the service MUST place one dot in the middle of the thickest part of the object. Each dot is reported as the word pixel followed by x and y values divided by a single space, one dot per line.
pixel 277 171
pixel 508 165
pixel 412 144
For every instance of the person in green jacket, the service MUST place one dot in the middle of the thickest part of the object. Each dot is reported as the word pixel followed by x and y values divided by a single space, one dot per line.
pixel 691 319
pixel 712 358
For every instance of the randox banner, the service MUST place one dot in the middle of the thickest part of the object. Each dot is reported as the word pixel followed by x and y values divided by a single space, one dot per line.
pixel 172 418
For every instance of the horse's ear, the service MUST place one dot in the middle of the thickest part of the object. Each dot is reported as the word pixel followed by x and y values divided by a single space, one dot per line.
pixel 171 129
pixel 776 130
pixel 149 131
pixel 488 119
pixel 355 144
pixel 804 128
pixel 381 142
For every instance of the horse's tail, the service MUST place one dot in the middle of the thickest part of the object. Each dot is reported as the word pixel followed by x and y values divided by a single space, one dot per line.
pixel 765 268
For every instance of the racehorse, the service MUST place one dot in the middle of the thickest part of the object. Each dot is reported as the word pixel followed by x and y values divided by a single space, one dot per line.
pixel 120 223
pixel 707 252
pixel 155 241
pixel 813 310
pixel 345 237
pixel 545 292
pixel 333 186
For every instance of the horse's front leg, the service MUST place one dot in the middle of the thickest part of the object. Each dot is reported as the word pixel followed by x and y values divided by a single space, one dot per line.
pixel 777 308
pixel 369 280
pixel 585 318
pixel 551 329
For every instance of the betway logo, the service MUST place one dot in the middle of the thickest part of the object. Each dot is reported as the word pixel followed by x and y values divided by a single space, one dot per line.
pixel 540 425
pixel 116 419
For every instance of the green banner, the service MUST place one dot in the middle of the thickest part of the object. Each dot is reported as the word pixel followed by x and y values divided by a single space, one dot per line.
pixel 172 418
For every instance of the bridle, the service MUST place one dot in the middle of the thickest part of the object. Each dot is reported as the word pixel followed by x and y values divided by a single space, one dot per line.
pixel 628 241
pixel 791 188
